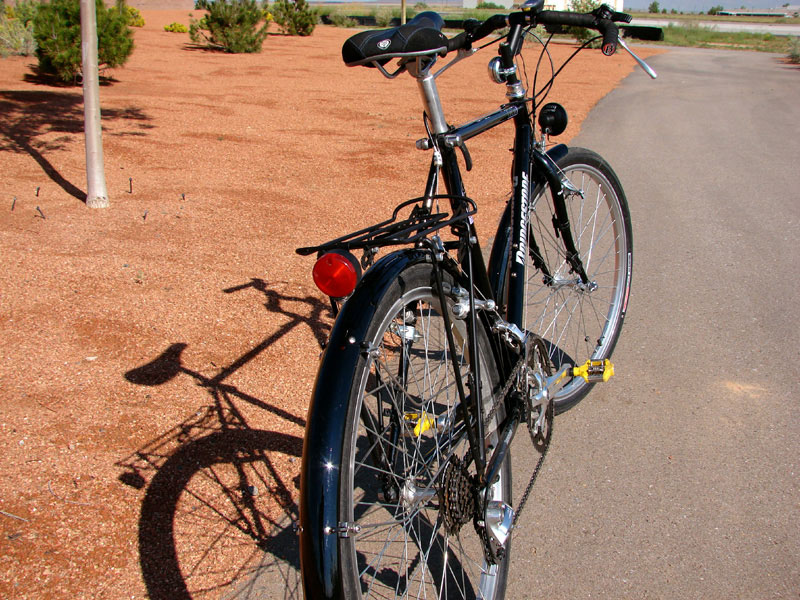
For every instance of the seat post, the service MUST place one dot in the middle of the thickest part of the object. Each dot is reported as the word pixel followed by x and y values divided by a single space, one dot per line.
pixel 430 93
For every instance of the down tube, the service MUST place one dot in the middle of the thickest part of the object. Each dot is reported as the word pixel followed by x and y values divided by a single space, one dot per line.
pixel 519 220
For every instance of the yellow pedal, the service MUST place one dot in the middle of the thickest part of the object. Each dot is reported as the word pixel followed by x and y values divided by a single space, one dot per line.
pixel 595 371
pixel 422 422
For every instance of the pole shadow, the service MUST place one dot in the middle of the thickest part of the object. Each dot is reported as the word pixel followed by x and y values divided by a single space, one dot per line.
pixel 219 506
pixel 27 116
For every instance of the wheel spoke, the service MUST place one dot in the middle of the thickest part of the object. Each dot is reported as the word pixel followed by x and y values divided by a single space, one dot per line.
pixel 402 446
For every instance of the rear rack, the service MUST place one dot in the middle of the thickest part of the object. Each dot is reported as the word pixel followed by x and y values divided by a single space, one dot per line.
pixel 419 224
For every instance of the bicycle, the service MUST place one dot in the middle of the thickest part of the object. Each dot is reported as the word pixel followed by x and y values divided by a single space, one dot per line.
pixel 435 359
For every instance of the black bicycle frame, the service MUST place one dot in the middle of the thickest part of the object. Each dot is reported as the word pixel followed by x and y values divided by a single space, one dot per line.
pixel 531 167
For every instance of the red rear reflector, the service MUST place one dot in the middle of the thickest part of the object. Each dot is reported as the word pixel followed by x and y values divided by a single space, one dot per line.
pixel 335 274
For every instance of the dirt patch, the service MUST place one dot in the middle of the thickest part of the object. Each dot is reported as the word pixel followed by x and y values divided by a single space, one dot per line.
pixel 157 357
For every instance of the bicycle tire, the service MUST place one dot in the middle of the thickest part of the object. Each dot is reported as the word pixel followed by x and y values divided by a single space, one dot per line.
pixel 407 543
pixel 576 324
pixel 579 324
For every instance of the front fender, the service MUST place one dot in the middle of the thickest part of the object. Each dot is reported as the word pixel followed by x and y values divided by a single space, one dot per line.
pixel 325 425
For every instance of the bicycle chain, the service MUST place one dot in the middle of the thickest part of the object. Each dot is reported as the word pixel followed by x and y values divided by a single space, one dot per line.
pixel 542 449
pixel 540 442
pixel 545 447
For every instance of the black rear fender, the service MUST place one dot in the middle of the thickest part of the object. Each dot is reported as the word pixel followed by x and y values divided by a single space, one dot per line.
pixel 322 448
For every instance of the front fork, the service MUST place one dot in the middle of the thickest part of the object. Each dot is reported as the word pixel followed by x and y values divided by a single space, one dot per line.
pixel 533 167
pixel 542 163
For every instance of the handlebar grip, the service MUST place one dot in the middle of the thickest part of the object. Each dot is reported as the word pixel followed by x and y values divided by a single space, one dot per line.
pixel 570 19
pixel 610 33
pixel 606 27
pixel 458 42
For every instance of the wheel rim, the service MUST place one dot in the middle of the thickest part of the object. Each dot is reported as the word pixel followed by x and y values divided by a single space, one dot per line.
pixel 579 322
pixel 403 548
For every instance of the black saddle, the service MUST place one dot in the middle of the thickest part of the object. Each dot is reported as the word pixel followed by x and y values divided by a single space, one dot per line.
pixel 421 36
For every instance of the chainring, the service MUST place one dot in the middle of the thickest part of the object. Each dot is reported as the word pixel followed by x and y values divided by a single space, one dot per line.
pixel 538 364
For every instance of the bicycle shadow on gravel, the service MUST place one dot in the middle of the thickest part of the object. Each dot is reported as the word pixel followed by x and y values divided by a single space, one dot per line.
pixel 218 512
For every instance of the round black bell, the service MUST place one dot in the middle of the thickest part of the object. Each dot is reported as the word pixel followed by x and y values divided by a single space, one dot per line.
pixel 553 118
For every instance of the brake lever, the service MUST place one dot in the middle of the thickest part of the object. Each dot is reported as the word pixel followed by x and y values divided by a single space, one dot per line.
pixel 467 157
pixel 647 69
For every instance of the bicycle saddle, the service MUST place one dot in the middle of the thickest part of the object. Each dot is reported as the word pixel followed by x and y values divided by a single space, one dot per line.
pixel 421 36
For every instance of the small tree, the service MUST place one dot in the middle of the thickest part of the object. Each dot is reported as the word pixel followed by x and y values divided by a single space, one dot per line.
pixel 230 25
pixel 715 10
pixel 654 7
pixel 295 16
pixel 57 29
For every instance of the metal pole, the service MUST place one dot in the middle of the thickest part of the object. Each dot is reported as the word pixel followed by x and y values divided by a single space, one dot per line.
pixel 96 195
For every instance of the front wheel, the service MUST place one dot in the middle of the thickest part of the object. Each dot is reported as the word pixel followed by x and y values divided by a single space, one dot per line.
pixel 578 321
pixel 407 487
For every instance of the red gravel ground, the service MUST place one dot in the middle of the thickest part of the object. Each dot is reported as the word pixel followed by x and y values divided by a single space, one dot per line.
pixel 156 357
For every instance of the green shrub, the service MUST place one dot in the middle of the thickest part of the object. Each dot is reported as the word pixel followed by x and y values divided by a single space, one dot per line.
pixel 489 6
pixel 176 28
pixel 794 50
pixel 420 6
pixel 16 37
pixel 294 16
pixel 230 25
pixel 57 30
pixel 341 20
pixel 23 10
pixel 383 17
pixel 133 16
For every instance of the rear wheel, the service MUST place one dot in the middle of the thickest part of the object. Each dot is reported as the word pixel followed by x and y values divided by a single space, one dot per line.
pixel 406 484
pixel 580 321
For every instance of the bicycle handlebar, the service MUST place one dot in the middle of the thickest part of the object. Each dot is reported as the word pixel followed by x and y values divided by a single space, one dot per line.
pixel 602 19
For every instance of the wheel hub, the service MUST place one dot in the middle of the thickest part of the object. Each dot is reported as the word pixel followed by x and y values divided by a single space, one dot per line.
pixel 575 283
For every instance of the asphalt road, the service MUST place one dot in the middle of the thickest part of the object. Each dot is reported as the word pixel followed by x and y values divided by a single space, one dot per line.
pixel 679 479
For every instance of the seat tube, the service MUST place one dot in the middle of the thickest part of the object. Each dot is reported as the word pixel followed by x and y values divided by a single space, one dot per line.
pixel 430 100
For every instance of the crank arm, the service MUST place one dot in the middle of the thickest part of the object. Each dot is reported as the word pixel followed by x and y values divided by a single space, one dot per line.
pixel 550 386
